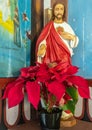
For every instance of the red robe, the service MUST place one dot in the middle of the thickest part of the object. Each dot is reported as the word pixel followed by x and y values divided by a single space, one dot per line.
pixel 56 49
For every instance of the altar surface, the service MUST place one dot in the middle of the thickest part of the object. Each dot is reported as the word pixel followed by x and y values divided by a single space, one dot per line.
pixel 81 125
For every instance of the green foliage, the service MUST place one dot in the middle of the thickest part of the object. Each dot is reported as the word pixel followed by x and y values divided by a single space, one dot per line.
pixel 73 92
pixel 70 105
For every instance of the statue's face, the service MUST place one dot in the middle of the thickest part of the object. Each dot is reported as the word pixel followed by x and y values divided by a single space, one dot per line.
pixel 59 11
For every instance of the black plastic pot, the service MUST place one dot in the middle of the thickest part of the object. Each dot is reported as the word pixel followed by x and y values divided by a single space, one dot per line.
pixel 50 121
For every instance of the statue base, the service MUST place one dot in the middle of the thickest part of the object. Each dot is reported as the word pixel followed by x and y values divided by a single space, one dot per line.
pixel 68 122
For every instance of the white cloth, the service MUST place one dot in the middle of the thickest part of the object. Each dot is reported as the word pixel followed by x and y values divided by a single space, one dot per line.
pixel 69 43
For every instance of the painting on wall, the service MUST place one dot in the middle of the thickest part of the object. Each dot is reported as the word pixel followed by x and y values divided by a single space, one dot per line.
pixel 15 23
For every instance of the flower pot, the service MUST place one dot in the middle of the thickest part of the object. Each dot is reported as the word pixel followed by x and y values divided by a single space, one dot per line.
pixel 50 121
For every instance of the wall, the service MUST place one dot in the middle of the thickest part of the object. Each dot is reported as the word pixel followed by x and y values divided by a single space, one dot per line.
pixel 80 18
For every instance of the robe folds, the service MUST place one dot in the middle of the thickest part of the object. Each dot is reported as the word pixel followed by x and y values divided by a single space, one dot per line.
pixel 56 50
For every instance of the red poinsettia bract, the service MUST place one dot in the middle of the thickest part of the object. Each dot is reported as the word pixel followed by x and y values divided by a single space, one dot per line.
pixel 37 79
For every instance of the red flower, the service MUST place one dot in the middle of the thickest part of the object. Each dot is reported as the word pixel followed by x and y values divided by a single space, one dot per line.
pixel 29 72
pixel 81 84
pixel 56 89
pixel 51 84
pixel 33 91
pixel 43 73
pixel 14 92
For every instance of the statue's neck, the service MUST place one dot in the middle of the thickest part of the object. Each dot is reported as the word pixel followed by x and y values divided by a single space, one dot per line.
pixel 58 21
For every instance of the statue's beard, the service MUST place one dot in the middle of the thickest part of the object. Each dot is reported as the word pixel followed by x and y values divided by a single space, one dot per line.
pixel 59 16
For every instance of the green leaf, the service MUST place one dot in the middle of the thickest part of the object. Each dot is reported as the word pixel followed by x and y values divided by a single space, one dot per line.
pixel 70 105
pixel 72 91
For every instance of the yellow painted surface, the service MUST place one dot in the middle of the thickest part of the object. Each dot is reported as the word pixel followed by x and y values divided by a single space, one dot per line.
pixel 8 24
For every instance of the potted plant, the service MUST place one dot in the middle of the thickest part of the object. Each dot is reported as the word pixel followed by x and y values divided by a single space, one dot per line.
pixel 54 88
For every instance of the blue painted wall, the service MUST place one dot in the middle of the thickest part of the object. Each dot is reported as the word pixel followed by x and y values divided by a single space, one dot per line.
pixel 80 18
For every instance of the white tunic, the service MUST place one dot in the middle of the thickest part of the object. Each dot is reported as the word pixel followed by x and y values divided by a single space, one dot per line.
pixel 69 43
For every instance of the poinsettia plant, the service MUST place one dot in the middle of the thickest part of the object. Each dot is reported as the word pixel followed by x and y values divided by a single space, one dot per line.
pixel 53 87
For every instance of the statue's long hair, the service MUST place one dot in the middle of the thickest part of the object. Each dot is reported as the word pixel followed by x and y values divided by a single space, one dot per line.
pixel 53 16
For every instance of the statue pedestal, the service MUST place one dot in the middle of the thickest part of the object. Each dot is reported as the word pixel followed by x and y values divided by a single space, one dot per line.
pixel 68 122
